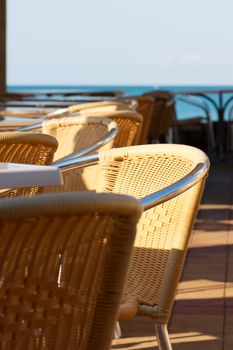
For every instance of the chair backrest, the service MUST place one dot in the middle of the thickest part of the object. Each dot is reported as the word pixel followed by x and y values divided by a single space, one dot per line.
pixel 63 260
pixel 163 232
pixel 129 126
pixel 122 112
pixel 129 123
pixel 162 116
pixel 93 107
pixel 145 105
pixel 75 134
pixel 26 148
pixel 102 106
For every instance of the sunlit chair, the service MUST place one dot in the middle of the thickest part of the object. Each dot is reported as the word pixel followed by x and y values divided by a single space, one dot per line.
pixel 145 108
pixel 129 127
pixel 128 121
pixel 78 135
pixel 14 118
pixel 89 107
pixel 104 106
pixel 129 124
pixel 26 148
pixel 143 105
pixel 123 113
pixel 64 259
pixel 164 230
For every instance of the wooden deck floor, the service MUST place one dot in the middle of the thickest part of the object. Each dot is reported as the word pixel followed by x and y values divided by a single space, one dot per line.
pixel 203 313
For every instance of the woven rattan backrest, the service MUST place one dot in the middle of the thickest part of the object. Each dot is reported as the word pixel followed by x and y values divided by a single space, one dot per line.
pixel 76 133
pixel 102 106
pixel 63 263
pixel 26 148
pixel 129 126
pixel 144 107
pixel 129 123
pixel 163 232
pixel 163 114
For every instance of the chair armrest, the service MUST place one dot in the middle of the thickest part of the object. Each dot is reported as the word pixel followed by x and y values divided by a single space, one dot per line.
pixel 31 127
pixel 195 101
pixel 80 162
pixel 176 188
pixel 95 146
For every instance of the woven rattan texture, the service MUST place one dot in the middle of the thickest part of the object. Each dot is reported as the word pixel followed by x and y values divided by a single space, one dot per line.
pixel 163 231
pixel 63 263
pixel 26 148
pixel 76 133
pixel 145 108
pixel 101 106
pixel 129 123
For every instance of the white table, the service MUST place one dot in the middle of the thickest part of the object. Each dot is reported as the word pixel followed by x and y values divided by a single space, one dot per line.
pixel 13 175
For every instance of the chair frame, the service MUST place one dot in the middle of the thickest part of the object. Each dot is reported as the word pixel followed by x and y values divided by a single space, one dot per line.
pixel 199 103
pixel 153 199
pixel 109 137
pixel 106 299
pixel 197 174
pixel 22 141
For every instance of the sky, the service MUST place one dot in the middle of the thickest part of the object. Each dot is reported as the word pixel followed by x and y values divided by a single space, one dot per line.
pixel 121 42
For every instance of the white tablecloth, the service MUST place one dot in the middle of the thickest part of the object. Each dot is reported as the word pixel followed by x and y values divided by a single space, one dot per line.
pixel 13 175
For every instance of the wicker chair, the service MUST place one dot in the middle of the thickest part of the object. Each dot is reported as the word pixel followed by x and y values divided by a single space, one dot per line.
pixel 128 120
pixel 122 112
pixel 162 116
pixel 164 230
pixel 64 259
pixel 13 119
pixel 26 148
pixel 78 135
pixel 144 107
pixel 129 126
pixel 100 106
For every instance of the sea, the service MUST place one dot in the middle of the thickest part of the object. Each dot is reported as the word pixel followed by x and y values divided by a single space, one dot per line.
pixel 184 109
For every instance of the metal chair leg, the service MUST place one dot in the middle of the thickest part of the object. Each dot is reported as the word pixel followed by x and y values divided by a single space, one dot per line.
pixel 163 337
pixel 117 331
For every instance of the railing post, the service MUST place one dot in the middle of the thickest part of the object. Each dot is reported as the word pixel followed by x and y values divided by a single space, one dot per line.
pixel 2 46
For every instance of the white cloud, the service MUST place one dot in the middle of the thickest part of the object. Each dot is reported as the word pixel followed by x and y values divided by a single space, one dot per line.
pixel 192 59
pixel 156 60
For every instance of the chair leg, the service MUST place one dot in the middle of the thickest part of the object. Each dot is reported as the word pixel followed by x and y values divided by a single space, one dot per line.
pixel 163 337
pixel 117 331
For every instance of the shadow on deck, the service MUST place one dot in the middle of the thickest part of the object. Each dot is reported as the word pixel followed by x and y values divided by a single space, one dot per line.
pixel 203 313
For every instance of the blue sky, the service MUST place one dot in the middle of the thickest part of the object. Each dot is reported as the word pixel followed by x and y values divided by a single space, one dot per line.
pixel 123 42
